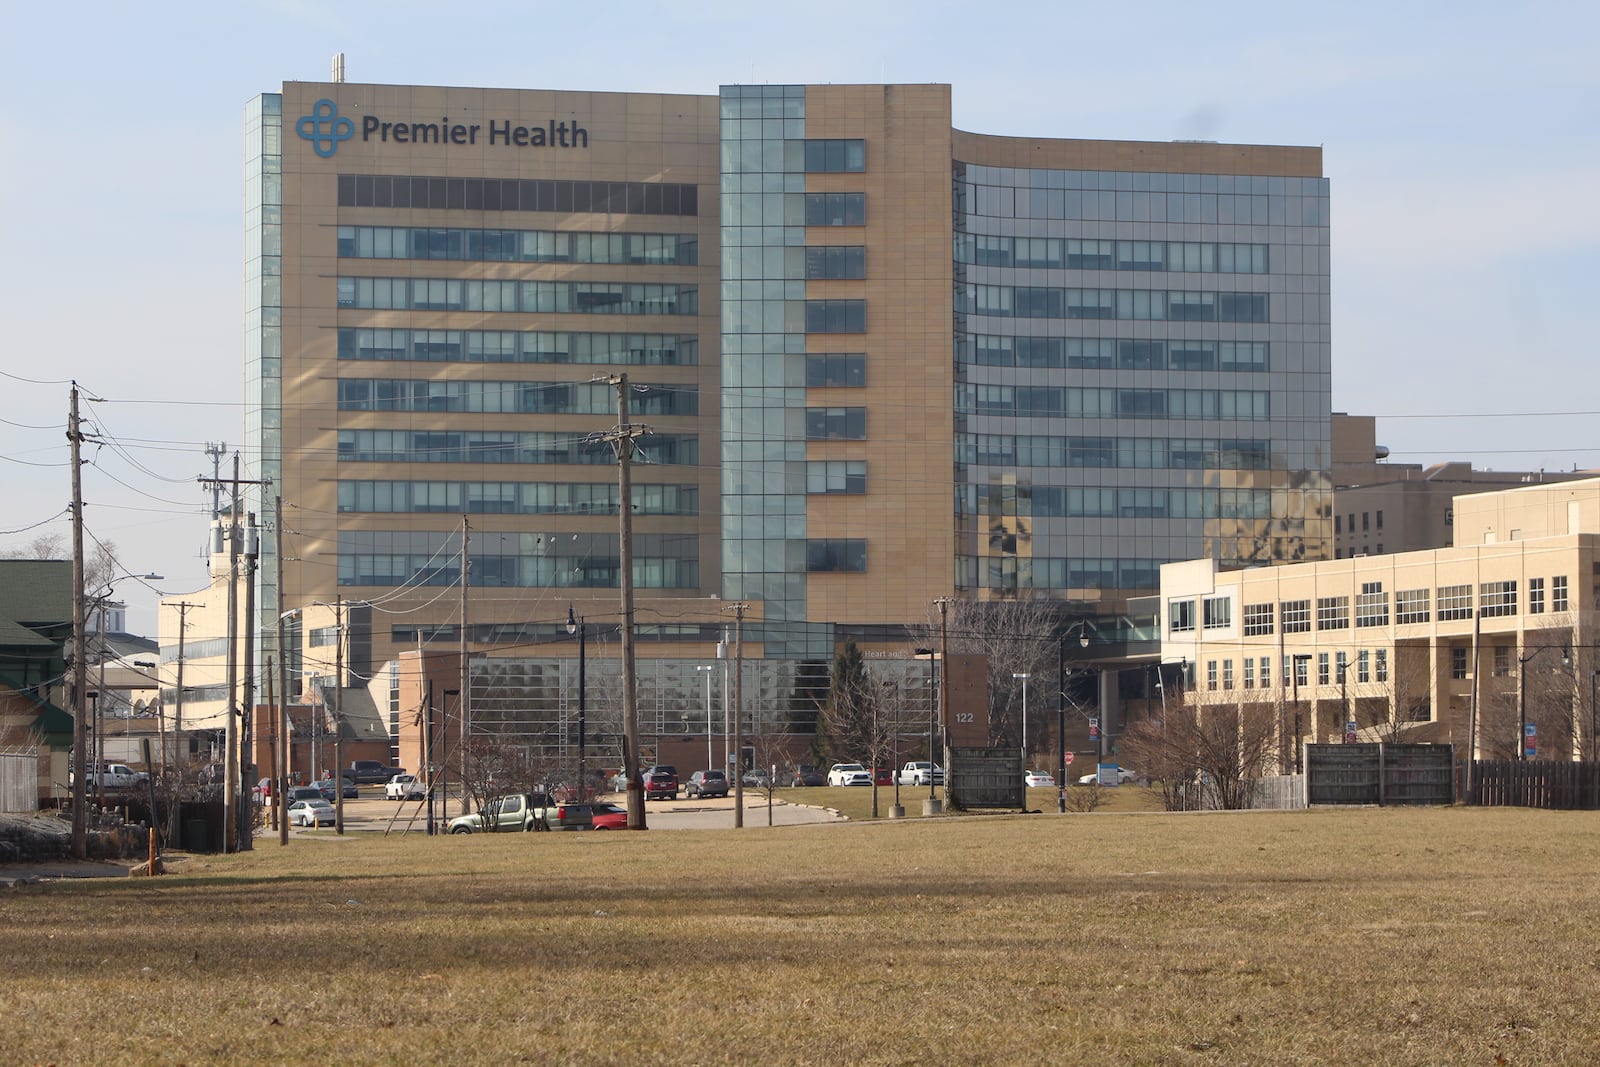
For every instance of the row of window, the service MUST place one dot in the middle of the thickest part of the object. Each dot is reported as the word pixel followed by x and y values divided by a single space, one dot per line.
pixel 1054 501
pixel 1372 665
pixel 1106 205
pixel 495 194
pixel 836 476
pixel 488 446
pixel 519 346
pixel 1107 353
pixel 1183 453
pixel 550 398
pixel 1339 526
pixel 836 424
pixel 523 559
pixel 518 246
pixel 1071 253
pixel 836 370
pixel 836 316
pixel 515 498
pixel 744 214
pixel 525 572
pixel 1024 572
pixel 469 294
pixel 835 261
pixel 1155 305
pixel 1055 400
pixel 1140 181
pixel 1372 607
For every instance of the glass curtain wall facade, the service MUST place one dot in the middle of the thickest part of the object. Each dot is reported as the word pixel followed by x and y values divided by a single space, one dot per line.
pixel 763 362
pixel 263 339
pixel 1142 375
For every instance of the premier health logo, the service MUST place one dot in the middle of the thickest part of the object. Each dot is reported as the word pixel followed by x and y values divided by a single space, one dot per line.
pixel 325 128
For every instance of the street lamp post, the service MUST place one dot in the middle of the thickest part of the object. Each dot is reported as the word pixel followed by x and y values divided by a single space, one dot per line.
pixel 708 668
pixel 1061 710
pixel 576 625
pixel 1024 679
pixel 1522 697
pixel 1299 658
pixel 1344 699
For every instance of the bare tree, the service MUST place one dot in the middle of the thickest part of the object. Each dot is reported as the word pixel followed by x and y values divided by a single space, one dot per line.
pixel 1016 637
pixel 1216 748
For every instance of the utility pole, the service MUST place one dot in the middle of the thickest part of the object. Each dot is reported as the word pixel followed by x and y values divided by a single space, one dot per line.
pixel 230 757
pixel 272 764
pixel 279 793
pixel 738 711
pixel 216 452
pixel 247 725
pixel 621 439
pixel 183 607
pixel 944 700
pixel 464 701
pixel 338 717
pixel 80 665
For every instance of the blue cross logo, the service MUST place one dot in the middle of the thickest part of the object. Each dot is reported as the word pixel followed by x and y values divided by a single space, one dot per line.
pixel 325 128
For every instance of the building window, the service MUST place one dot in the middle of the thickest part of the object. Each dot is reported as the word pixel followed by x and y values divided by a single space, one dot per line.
pixel 836 261
pixel 1502 661
pixel 1266 672
pixel 847 476
pixel 1379 522
pixel 1296 616
pixel 835 156
pixel 836 209
pixel 1455 602
pixel 1249 672
pixel 836 424
pixel 1218 613
pixel 1411 606
pixel 836 370
pixel 1558 593
pixel 1322 668
pixel 1372 605
pixel 836 554
pixel 1363 666
pixel 1180 616
pixel 1257 620
pixel 1382 665
pixel 836 316
pixel 1211 674
pixel 1498 598
pixel 1364 517
pixel 1333 613
pixel 1458 663
pixel 1338 524
pixel 1227 674
pixel 1535 596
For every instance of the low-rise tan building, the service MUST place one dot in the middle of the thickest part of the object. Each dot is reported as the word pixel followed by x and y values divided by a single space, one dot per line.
pixel 1473 644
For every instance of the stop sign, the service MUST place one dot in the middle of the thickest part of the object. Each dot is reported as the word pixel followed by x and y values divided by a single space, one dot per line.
pixel 1069 757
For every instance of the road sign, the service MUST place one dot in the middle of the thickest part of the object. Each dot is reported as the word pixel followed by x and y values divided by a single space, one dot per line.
pixel 1069 759
pixel 1350 731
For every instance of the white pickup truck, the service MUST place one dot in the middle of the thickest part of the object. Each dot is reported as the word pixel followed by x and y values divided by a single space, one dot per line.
pixel 114 776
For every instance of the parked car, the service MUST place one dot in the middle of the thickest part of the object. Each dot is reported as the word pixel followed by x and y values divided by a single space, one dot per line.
pixel 311 813
pixel 660 784
pixel 521 812
pixel 707 784
pixel 404 787
pixel 1124 777
pixel 1039 780
pixel 757 778
pixel 807 775
pixel 330 790
pixel 303 792
pixel 113 776
pixel 609 816
pixel 848 774
pixel 917 772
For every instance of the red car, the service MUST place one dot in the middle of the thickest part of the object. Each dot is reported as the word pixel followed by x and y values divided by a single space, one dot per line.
pixel 661 783
pixel 609 816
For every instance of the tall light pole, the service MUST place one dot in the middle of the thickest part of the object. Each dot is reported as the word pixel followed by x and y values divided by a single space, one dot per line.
pixel 1299 658
pixel 1522 697
pixel 708 668
pixel 575 625
pixel 1061 709
pixel 1024 678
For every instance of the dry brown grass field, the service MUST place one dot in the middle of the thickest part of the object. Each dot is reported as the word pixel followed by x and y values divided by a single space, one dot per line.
pixel 1438 936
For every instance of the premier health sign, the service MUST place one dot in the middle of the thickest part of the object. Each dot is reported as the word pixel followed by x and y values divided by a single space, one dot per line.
pixel 326 129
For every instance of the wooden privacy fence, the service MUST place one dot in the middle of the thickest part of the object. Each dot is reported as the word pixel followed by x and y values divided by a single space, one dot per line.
pixel 1554 784
pixel 19 781
pixel 1380 773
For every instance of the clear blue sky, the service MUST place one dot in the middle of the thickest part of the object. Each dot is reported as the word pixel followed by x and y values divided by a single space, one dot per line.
pixel 1460 140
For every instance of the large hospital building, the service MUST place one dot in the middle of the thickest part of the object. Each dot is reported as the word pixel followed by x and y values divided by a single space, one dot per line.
pixel 880 360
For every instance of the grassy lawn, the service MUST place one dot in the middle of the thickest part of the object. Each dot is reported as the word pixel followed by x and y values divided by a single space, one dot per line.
pixel 1436 936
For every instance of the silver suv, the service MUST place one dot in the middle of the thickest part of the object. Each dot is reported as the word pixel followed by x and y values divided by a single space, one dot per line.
pixel 707 784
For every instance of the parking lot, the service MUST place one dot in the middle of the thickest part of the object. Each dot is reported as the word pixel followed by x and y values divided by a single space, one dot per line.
pixel 373 814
